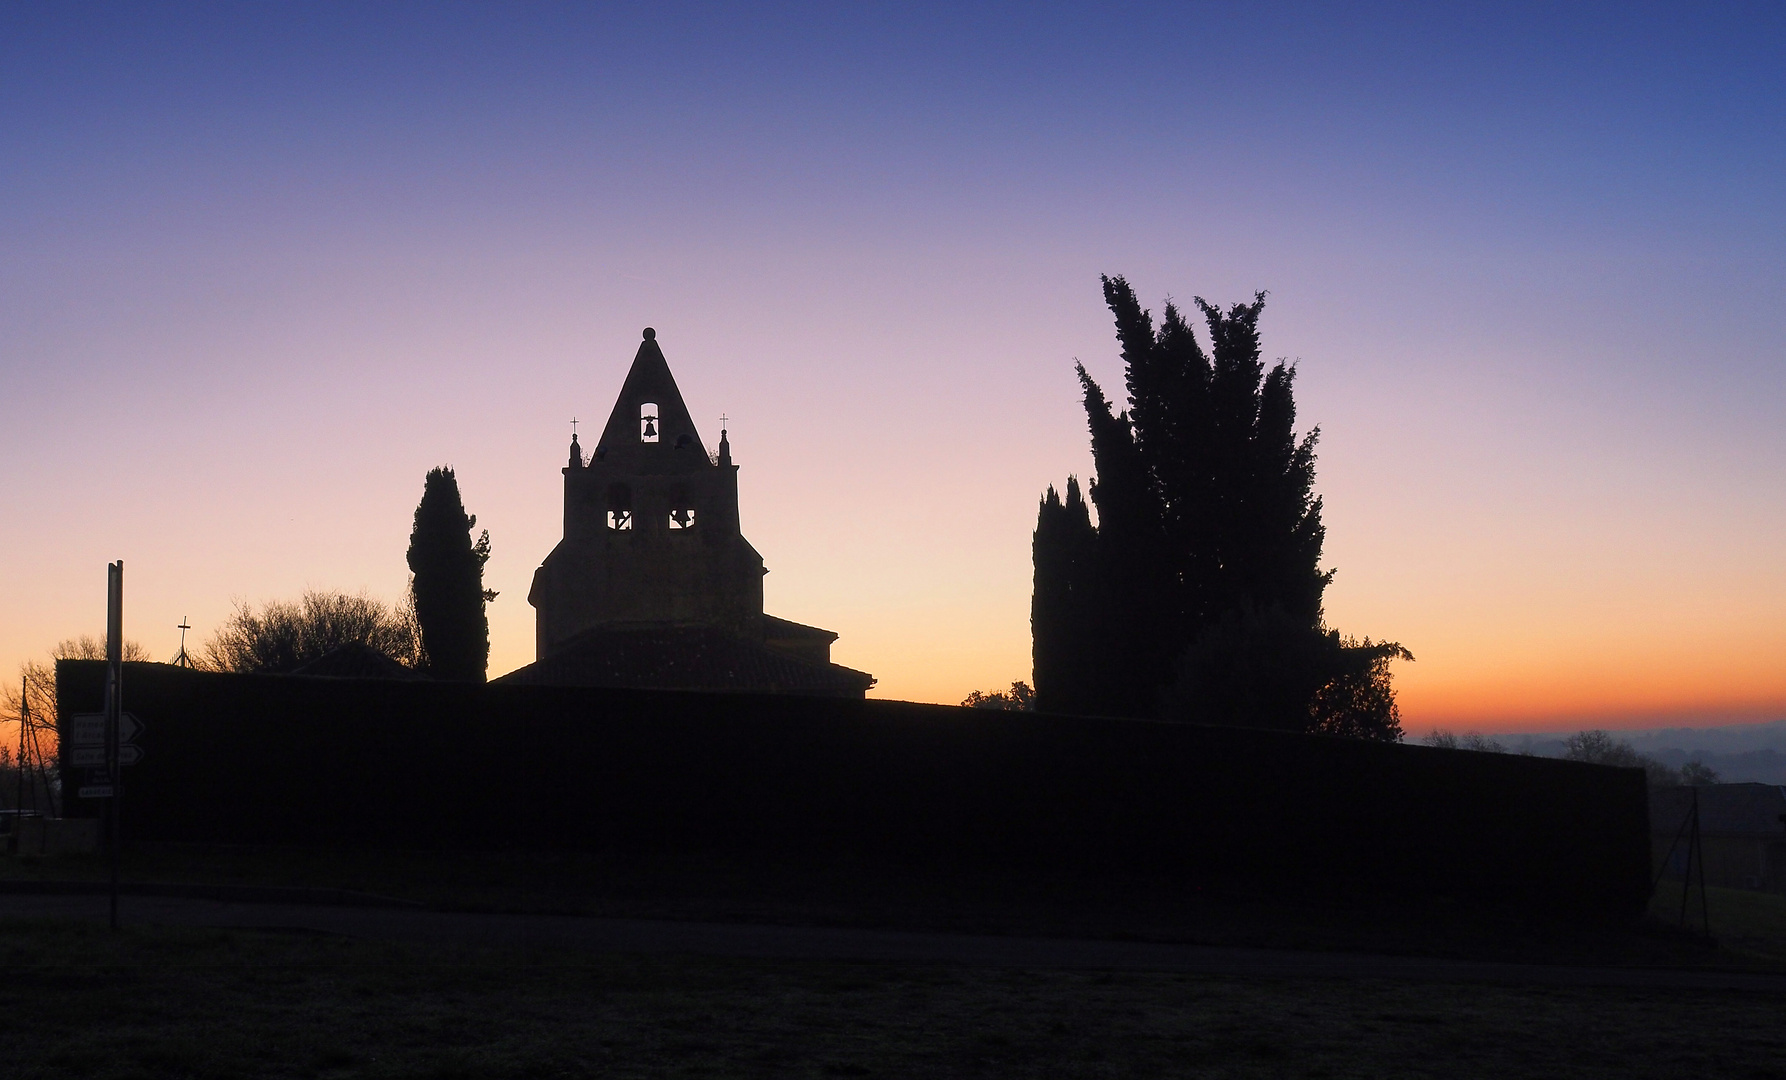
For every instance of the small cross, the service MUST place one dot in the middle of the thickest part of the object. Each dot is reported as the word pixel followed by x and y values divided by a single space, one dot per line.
pixel 573 427
pixel 722 421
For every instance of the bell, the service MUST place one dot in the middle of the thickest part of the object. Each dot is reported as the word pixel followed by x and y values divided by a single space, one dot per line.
pixel 651 427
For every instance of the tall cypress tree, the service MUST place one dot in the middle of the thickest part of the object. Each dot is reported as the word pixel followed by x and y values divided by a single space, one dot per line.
pixel 1209 534
pixel 1066 614
pixel 448 581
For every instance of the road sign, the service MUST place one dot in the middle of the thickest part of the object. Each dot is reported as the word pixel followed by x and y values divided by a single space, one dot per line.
pixel 88 729
pixel 94 756
pixel 95 791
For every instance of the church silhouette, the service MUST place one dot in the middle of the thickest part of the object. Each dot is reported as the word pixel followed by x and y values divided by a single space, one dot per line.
pixel 653 585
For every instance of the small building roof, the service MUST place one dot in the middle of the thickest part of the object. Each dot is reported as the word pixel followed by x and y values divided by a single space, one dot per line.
pixel 786 629
pixel 687 658
pixel 1724 809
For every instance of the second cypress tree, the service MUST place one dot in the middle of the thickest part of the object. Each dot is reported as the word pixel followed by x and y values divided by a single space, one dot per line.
pixel 448 582
pixel 1198 592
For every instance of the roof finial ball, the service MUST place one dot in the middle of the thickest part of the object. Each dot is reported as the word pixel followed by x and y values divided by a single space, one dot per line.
pixel 650 334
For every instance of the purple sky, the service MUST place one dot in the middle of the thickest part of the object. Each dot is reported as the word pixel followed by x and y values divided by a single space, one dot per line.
pixel 266 264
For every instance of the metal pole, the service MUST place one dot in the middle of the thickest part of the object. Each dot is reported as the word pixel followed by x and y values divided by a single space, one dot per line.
pixel 24 718
pixel 114 694
pixel 1705 914
pixel 42 784
pixel 1692 845
pixel 48 808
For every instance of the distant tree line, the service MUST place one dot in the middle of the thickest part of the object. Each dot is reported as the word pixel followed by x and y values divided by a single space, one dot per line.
pixel 1596 748
pixel 1197 594
pixel 1469 740
pixel 1019 698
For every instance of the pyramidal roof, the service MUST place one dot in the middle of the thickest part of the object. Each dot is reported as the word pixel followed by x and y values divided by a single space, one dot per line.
pixel 650 383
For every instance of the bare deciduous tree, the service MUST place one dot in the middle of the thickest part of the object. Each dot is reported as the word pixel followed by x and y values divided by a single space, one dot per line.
pixel 280 635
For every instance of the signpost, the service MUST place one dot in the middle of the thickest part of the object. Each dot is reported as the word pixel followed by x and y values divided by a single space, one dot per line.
pixel 87 750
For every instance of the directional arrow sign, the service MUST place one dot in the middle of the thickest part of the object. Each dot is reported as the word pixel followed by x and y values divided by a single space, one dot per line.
pixel 88 729
pixel 94 756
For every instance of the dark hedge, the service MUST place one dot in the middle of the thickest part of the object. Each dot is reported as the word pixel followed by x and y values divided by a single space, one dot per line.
pixel 293 759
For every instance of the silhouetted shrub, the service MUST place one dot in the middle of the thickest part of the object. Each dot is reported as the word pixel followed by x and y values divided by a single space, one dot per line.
pixel 1019 698
pixel 281 635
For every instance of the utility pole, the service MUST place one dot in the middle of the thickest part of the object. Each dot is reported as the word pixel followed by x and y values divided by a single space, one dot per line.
pixel 24 722
pixel 114 706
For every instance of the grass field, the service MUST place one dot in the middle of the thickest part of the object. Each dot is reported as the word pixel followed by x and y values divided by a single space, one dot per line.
pixel 698 888
pixel 77 1001
pixel 1747 924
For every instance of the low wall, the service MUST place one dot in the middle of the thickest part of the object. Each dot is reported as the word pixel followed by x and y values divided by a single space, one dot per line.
pixel 286 759
pixel 52 836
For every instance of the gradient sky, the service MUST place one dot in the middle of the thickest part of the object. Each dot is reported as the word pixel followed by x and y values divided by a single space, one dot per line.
pixel 262 265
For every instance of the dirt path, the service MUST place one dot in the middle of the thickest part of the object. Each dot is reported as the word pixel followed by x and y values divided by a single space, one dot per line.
pixel 840 943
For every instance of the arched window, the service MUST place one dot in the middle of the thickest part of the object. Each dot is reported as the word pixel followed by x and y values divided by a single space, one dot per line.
pixel 620 507
pixel 648 422
pixel 682 509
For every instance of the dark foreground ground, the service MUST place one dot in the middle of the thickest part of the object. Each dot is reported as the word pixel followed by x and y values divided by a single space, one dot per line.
pixel 876 896
pixel 170 1002
pixel 161 1000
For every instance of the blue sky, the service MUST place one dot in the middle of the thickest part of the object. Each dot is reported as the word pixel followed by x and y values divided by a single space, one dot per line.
pixel 267 263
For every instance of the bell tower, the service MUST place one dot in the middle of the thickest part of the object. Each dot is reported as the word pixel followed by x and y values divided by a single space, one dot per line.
pixel 651 533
